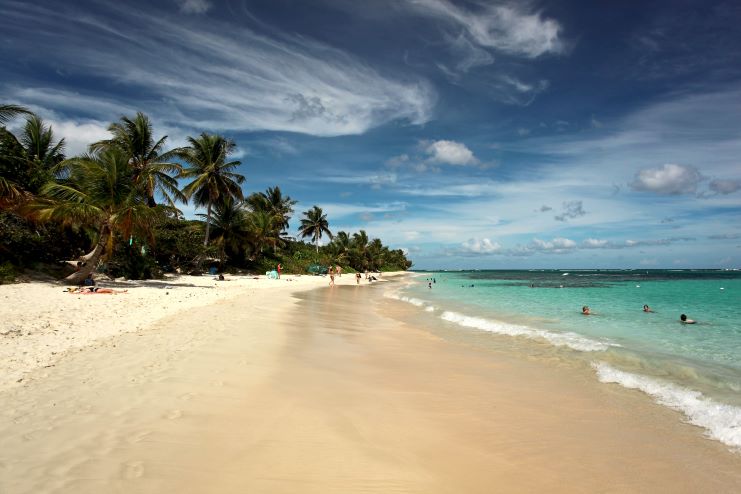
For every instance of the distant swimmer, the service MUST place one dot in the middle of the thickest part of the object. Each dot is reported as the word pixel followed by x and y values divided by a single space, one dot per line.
pixel 683 319
pixel 646 308
pixel 586 311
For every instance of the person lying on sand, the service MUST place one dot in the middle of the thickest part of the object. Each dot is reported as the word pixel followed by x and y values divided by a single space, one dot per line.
pixel 88 290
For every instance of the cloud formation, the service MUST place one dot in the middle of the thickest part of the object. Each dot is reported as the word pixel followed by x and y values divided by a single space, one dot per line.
pixel 194 6
pixel 504 28
pixel 450 153
pixel 223 77
pixel 668 179
pixel 571 210
pixel 725 186
pixel 482 246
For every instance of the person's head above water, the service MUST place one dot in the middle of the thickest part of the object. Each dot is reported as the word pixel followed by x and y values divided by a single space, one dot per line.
pixel 585 309
pixel 683 318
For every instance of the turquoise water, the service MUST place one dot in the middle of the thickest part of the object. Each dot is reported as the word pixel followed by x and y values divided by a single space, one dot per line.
pixel 692 368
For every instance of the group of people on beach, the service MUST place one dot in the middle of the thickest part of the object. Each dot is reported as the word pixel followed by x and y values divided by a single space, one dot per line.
pixel 337 271
pixel 586 311
pixel 89 286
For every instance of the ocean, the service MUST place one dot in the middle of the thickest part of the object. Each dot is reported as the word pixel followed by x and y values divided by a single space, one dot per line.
pixel 695 369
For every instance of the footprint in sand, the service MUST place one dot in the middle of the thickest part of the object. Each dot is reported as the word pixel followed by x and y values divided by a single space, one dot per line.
pixel 139 437
pixel 133 469
pixel 174 414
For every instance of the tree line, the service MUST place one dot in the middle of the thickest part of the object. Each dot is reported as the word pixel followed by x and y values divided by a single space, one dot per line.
pixel 114 208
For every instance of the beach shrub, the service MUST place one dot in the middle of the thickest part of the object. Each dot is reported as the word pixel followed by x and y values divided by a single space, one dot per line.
pixel 8 273
pixel 24 243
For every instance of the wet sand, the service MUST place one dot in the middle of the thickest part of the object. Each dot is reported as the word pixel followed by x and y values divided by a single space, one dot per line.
pixel 332 393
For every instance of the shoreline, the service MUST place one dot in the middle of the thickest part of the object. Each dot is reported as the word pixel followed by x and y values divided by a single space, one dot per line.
pixel 327 391
pixel 43 322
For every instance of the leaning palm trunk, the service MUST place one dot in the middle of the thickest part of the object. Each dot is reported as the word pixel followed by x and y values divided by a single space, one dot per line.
pixel 90 260
pixel 208 224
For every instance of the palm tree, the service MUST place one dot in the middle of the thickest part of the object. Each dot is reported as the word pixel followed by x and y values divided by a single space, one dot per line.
pixel 273 201
pixel 314 225
pixel 264 230
pixel 360 250
pixel 231 227
pixel 375 254
pixel 340 247
pixel 150 164
pixel 213 179
pixel 9 111
pixel 96 191
pixel 27 160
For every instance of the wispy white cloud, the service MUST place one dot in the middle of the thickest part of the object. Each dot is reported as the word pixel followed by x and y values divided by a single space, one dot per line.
pixel 507 28
pixel 343 210
pixel 194 6
pixel 217 76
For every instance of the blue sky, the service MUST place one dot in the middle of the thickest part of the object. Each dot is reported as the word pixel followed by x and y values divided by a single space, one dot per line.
pixel 474 134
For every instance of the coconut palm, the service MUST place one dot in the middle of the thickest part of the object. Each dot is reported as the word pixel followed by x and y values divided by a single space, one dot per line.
pixel 273 201
pixel 231 227
pixel 96 191
pixel 314 224
pixel 360 250
pixel 213 178
pixel 152 166
pixel 8 112
pixel 264 230
pixel 375 254
pixel 27 160
pixel 340 247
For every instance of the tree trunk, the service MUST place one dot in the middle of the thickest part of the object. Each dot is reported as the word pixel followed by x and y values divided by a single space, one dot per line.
pixel 316 240
pixel 208 224
pixel 90 259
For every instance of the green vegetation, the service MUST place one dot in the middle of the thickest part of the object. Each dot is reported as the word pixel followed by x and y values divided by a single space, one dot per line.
pixel 100 210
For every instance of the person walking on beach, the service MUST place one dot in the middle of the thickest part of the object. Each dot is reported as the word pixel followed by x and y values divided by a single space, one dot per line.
pixel 331 276
pixel 339 271
pixel 279 268
pixel 357 278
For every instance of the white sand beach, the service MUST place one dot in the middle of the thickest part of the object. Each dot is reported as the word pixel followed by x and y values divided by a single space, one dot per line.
pixel 41 322
pixel 267 386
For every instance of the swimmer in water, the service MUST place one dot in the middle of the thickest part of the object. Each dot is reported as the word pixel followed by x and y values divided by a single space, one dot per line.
pixel 646 308
pixel 683 319
pixel 586 311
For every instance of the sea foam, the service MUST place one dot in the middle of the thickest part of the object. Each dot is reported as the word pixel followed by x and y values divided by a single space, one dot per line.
pixel 568 339
pixel 722 422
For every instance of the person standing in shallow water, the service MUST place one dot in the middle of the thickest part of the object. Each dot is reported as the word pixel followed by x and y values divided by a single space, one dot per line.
pixel 357 278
